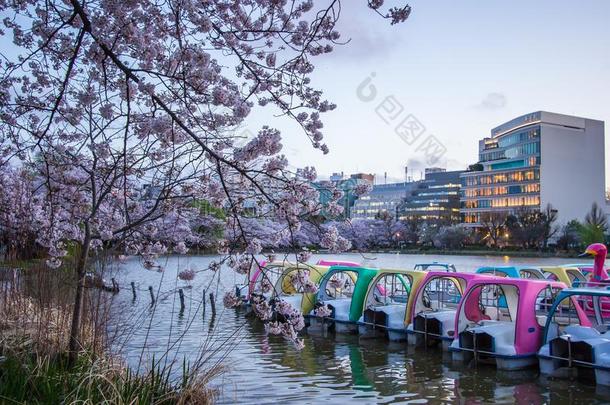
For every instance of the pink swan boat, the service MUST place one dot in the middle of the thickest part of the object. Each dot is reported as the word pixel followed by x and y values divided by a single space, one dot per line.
pixel 501 321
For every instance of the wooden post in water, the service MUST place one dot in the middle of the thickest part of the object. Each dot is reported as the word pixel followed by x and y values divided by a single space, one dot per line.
pixel 152 295
pixel 133 290
pixel 181 293
pixel 115 286
pixel 203 303
pixel 213 304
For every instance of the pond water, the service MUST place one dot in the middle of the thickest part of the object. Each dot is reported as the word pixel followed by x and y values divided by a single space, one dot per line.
pixel 333 369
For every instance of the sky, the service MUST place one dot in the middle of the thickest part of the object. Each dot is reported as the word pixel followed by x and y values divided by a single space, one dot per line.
pixel 459 69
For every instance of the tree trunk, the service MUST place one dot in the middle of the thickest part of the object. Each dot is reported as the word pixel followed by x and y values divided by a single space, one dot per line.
pixel 74 344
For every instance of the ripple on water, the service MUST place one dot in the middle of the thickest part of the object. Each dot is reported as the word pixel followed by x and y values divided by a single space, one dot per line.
pixel 267 370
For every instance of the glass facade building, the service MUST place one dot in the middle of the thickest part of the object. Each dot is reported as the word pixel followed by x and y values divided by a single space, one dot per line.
pixel 382 198
pixel 507 175
pixel 437 198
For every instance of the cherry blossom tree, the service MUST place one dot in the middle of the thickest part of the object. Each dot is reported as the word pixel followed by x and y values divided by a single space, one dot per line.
pixel 18 206
pixel 126 114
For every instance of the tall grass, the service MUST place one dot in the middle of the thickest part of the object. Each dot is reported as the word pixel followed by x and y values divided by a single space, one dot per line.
pixel 35 317
pixel 26 378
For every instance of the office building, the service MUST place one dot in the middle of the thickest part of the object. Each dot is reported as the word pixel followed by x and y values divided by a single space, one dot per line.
pixel 534 160
pixel 383 198
pixel 434 199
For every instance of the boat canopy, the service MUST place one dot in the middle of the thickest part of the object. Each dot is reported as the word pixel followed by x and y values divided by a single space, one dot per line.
pixel 286 288
pixel 571 276
pixel 512 271
pixel 349 284
pixel 398 287
pixel 435 266
pixel 520 305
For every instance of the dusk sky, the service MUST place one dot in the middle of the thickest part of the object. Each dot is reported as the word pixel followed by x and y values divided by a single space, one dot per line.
pixel 460 69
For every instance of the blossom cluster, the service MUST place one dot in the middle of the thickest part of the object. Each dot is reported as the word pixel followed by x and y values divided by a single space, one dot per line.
pixel 301 282
pixel 323 311
pixel 262 308
pixel 241 264
pixel 231 300
pixel 120 121
pixel 336 282
pixel 333 241
pixel 293 319
pixel 187 275
pixel 303 256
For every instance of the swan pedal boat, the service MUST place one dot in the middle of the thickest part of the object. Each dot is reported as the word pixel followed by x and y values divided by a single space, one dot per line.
pixel 387 315
pixel 433 309
pixel 343 290
pixel 502 321
pixel 577 336
pixel 273 279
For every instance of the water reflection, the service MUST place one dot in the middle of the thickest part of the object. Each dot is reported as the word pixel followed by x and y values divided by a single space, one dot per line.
pixel 392 372
pixel 330 369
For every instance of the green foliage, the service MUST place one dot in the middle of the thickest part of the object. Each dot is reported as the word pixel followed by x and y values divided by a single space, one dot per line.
pixel 208 209
pixel 570 238
pixel 591 234
pixel 594 228
pixel 27 379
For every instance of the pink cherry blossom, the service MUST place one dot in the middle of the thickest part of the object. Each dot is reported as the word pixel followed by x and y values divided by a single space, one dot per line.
pixel 303 256
pixel 230 300
pixel 336 282
pixel 119 123
pixel 323 311
pixel 187 275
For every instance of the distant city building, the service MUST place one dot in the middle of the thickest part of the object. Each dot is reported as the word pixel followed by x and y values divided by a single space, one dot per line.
pixel 150 192
pixel 347 186
pixel 336 177
pixel 436 198
pixel 434 170
pixel 534 160
pixel 363 176
pixel 382 198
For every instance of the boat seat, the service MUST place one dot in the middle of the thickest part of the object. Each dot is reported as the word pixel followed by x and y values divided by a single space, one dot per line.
pixel 446 317
pixel 503 334
pixel 496 314
pixel 581 332
pixel 341 306
pixel 395 314
pixel 294 299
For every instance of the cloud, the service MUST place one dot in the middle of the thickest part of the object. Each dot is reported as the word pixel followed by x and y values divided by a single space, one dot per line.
pixel 364 44
pixel 493 101
pixel 455 164
pixel 416 164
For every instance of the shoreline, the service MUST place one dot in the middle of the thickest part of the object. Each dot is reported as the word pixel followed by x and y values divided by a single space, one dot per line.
pixel 511 253
pixel 427 252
